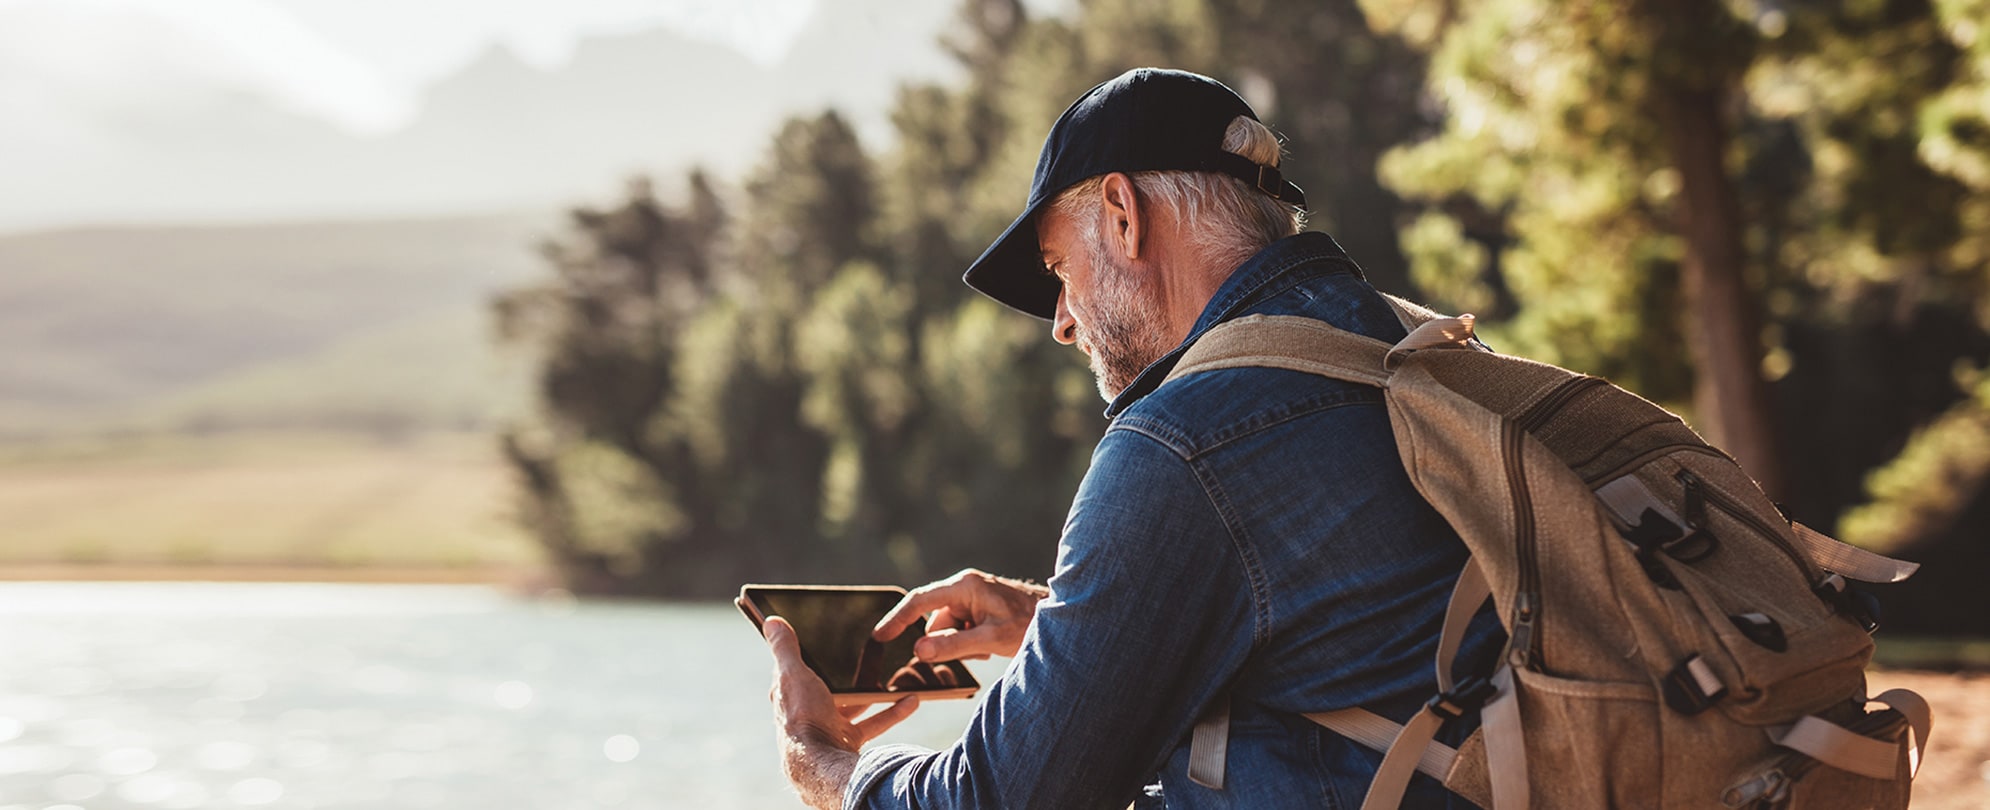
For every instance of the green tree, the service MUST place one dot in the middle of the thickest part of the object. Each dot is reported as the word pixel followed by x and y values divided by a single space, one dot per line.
pixel 1807 166
pixel 1917 120
pixel 1596 133
pixel 605 329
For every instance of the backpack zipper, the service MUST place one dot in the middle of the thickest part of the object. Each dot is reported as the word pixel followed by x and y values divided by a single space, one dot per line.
pixel 1538 414
pixel 1524 646
pixel 1697 488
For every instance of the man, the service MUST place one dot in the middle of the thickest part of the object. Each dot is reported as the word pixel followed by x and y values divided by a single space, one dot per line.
pixel 1246 535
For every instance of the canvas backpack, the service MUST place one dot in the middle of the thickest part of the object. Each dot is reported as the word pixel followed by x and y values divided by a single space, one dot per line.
pixel 1674 640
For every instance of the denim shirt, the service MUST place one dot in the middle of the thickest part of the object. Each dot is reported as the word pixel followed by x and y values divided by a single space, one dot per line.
pixel 1249 530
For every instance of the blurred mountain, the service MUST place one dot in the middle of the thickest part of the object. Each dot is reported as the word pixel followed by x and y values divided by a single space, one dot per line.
pixel 345 316
pixel 376 325
pixel 499 134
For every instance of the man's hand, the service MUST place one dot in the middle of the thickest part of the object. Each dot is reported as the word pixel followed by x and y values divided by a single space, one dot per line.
pixel 972 615
pixel 818 740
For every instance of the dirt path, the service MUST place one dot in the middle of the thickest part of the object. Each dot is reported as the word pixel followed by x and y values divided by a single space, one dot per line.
pixel 1956 773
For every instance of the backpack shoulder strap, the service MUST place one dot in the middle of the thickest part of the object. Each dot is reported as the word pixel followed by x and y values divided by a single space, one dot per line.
pixel 1316 347
pixel 1288 342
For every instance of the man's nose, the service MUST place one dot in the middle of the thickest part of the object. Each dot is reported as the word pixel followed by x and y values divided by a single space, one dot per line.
pixel 1063 326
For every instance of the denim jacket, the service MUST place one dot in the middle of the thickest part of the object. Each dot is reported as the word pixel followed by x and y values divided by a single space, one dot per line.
pixel 1249 530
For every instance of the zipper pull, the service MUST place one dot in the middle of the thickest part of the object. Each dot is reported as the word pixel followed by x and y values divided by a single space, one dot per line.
pixel 1520 646
pixel 1766 788
pixel 1694 503
pixel 1698 542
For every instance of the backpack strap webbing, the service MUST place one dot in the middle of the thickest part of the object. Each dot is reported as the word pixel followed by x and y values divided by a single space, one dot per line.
pixel 1287 342
pixel 1304 344
pixel 1378 733
pixel 1506 746
pixel 1848 560
pixel 1409 313
pixel 1414 747
pixel 1850 751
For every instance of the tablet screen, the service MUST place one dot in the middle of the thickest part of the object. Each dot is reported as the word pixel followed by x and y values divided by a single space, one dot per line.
pixel 834 628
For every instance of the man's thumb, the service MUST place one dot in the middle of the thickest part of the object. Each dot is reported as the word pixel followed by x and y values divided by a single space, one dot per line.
pixel 780 636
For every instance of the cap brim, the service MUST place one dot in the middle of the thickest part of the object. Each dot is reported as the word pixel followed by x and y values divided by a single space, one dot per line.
pixel 1011 270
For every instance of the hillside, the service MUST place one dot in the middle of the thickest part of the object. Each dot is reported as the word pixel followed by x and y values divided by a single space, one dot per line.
pixel 437 370
pixel 270 325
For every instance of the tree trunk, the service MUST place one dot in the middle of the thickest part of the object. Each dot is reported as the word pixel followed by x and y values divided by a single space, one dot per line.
pixel 1724 321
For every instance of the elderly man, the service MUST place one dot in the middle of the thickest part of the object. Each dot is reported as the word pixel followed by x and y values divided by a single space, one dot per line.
pixel 1244 537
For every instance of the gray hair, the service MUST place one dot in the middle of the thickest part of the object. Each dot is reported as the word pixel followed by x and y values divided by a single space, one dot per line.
pixel 1224 217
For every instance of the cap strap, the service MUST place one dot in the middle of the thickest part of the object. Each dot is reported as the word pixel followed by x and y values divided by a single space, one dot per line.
pixel 1266 178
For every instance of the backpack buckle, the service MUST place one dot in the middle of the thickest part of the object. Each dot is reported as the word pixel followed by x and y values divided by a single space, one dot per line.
pixel 1855 604
pixel 1687 544
pixel 1692 687
pixel 1465 697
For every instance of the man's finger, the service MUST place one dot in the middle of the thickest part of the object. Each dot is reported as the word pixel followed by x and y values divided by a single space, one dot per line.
pixel 918 603
pixel 870 727
pixel 953 645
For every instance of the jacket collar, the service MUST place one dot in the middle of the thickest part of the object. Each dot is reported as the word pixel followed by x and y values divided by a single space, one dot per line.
pixel 1273 270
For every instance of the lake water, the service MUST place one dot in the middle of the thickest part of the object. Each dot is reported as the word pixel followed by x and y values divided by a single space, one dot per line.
pixel 209 695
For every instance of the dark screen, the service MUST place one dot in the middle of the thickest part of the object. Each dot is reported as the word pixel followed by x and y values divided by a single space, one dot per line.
pixel 834 628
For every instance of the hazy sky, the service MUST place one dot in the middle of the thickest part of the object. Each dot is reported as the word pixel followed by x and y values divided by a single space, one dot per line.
pixel 359 64
pixel 246 110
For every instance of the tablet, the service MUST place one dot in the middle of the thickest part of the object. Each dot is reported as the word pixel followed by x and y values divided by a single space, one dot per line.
pixel 833 624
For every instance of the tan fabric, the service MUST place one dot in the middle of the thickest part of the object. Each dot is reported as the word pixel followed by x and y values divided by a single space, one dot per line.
pixel 1467 597
pixel 1438 333
pixel 1514 453
pixel 1839 747
pixel 1920 721
pixel 1851 561
pixel 1400 761
pixel 1380 733
pixel 1506 758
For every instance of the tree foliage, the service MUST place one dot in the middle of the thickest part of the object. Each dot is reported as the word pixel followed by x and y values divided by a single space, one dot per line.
pixel 1848 137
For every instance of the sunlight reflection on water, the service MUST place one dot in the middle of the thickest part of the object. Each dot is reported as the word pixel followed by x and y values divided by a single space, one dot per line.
pixel 195 695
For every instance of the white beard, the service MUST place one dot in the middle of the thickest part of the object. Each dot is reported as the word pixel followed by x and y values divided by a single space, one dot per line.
pixel 1124 335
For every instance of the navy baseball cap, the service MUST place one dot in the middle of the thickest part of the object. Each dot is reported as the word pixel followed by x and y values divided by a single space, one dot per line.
pixel 1143 120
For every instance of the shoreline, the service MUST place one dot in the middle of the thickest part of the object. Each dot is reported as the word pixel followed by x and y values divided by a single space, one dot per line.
pixel 509 577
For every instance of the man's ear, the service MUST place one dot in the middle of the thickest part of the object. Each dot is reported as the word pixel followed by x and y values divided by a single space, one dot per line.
pixel 1123 223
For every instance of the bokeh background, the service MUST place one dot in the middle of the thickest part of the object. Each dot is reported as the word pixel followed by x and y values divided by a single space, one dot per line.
pixel 596 309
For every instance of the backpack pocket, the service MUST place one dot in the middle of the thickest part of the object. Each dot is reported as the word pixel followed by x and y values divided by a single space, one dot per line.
pixel 1614 762
pixel 1744 600
pixel 1820 664
pixel 1790 779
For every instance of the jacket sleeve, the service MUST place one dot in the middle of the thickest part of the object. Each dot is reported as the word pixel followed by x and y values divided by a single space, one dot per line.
pixel 1150 615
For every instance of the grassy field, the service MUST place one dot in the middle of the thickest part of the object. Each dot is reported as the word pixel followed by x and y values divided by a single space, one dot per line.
pixel 277 326
pixel 432 502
